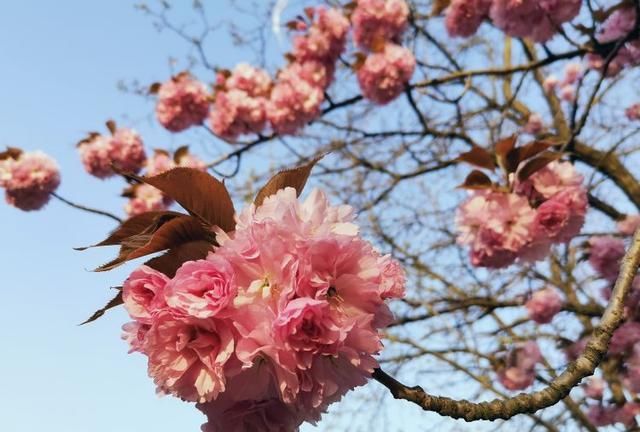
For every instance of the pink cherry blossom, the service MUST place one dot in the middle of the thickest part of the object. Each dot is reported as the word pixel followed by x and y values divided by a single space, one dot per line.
pixel 616 27
pixel 550 180
pixel 203 288
pixel 518 371
pixel 187 357
pixel 96 156
pixel 134 333
pixel 594 388
pixel 465 16
pixel 561 217
pixel 124 149
pixel 325 40
pixel 189 160
pixel 160 162
pixel 544 305
pixel 534 124
pixel 572 73
pixel 384 74
pixel 29 180
pixel 568 93
pixel 495 241
pixel 255 82
pixel 624 337
pixel 294 102
pixel 629 224
pixel 633 112
pixel 379 20
pixel 236 113
pixel 143 293
pixel 550 83
pixel 182 102
pixel 605 255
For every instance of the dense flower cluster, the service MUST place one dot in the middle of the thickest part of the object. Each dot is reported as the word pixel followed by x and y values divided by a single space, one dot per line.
pixel 182 102
pixel 549 207
pixel 240 103
pixel 384 74
pixel 29 178
pixel 299 89
pixel 544 305
pixel 535 19
pixel 378 25
pixel 378 20
pixel 123 148
pixel 144 198
pixel 617 26
pixel 276 324
pixel 517 369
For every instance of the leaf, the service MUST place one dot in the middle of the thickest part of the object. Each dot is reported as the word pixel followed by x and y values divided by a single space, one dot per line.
pixel 133 226
pixel 169 262
pixel 536 164
pixel 10 153
pixel 479 157
pixel 439 6
pixel 154 88
pixel 521 154
pixel 111 125
pixel 505 145
pixel 476 180
pixel 116 301
pixel 295 178
pixel 180 153
pixel 170 234
pixel 197 192
pixel 359 62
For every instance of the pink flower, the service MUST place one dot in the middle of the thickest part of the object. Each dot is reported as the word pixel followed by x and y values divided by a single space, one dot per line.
pixel 294 102
pixel 465 16
pixel 143 293
pixel 182 102
pixel 325 40
pixel 159 163
pixel 633 112
pixel 191 161
pixel 632 365
pixel 29 180
pixel 496 241
pixel 550 83
pixel 568 93
pixel 518 371
pixel 605 255
pixel 253 81
pixel 624 338
pixel 544 305
pixel 146 198
pixel 203 288
pixel 237 113
pixel 550 180
pixel 617 26
pixel 393 278
pixel 384 74
pixel 124 149
pixel 534 124
pixel 383 20
pixel 594 388
pixel 561 217
pixel 572 73
pixel 187 357
pixel 629 224
pixel 601 416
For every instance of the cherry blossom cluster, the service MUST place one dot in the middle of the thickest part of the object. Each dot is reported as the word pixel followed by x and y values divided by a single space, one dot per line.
pixel 28 178
pixel 377 27
pixel 544 304
pixel 566 87
pixel 605 257
pixel 633 112
pixel 277 323
pixel 548 207
pixel 123 148
pixel 182 102
pixel 516 370
pixel 617 27
pixel 535 19
pixel 143 197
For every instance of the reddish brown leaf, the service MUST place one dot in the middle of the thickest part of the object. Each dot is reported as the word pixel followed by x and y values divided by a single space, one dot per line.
pixel 133 226
pixel 154 88
pixel 476 180
pixel 116 301
pixel 198 192
pixel 295 178
pixel 10 153
pixel 360 59
pixel 170 234
pixel 180 153
pixel 504 146
pixel 111 125
pixel 479 157
pixel 537 164
pixel 439 6
pixel 310 12
pixel 169 262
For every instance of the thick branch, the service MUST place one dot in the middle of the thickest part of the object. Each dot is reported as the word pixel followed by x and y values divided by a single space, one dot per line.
pixel 557 389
